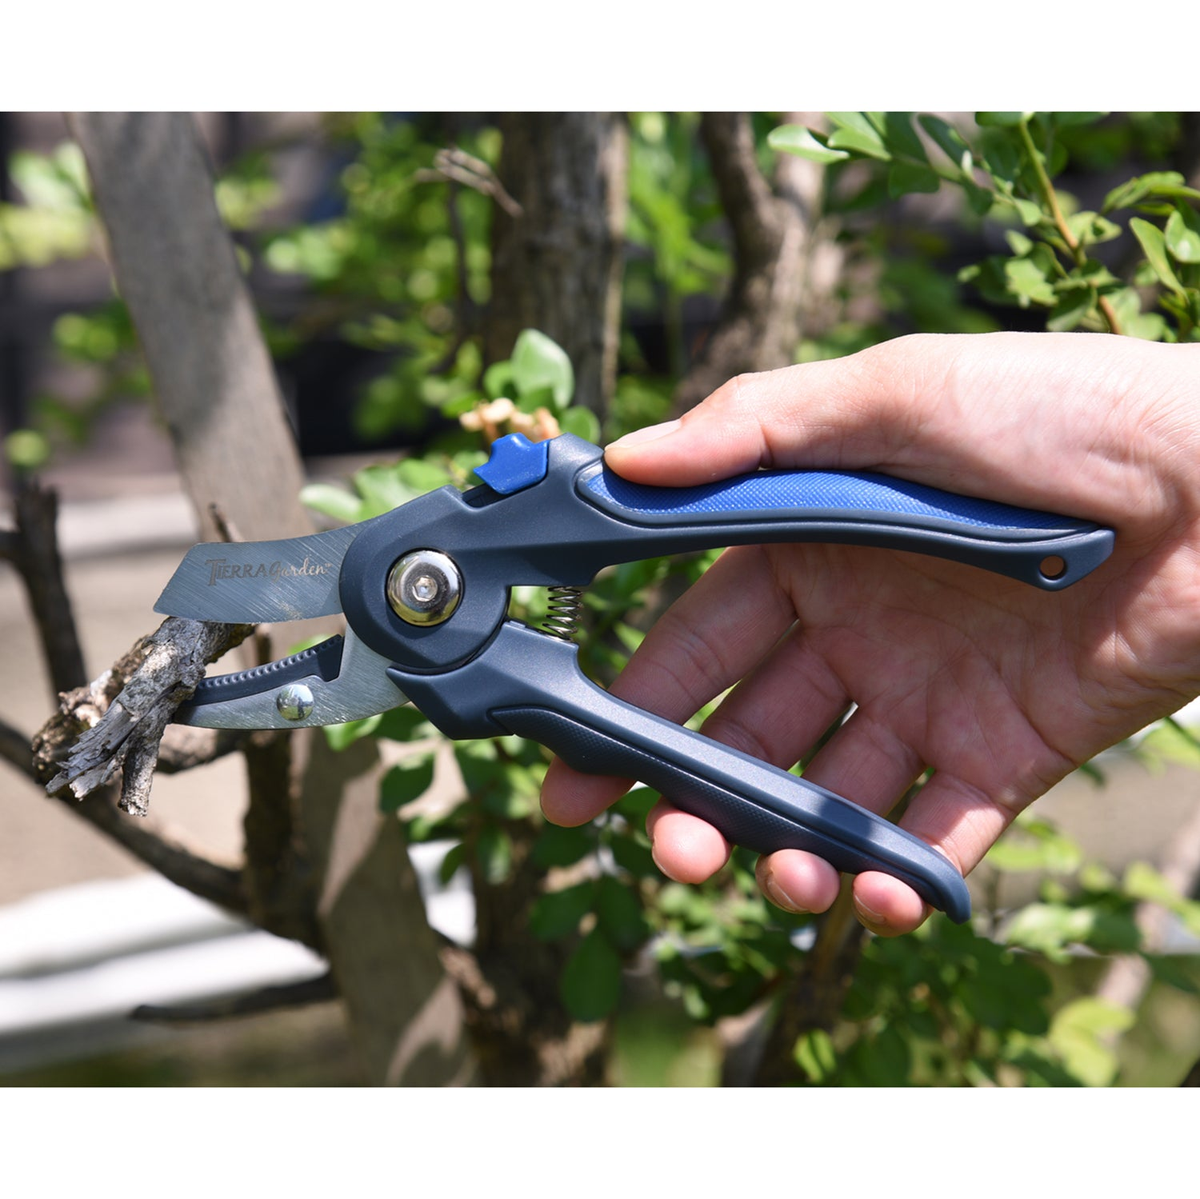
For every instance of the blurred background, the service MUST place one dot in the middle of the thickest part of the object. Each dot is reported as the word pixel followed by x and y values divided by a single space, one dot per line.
pixel 391 265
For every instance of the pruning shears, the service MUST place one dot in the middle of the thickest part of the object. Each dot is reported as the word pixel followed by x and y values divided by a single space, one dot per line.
pixel 425 592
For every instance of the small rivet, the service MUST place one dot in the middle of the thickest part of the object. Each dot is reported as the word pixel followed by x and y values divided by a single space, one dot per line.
pixel 295 702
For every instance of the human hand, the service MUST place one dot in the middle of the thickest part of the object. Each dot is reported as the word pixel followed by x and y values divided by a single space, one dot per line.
pixel 999 688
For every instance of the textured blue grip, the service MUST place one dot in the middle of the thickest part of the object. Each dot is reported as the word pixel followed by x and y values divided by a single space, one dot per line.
pixel 817 493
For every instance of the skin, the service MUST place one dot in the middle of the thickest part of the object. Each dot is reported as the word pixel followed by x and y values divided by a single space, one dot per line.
pixel 1000 688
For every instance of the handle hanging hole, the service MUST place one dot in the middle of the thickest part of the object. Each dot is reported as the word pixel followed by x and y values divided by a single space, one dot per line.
pixel 1052 567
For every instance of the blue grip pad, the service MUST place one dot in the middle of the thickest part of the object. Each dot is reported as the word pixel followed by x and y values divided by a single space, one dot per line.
pixel 857 495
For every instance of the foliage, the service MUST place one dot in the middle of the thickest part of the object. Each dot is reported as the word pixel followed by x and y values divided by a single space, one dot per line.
pixel 1078 264
pixel 400 268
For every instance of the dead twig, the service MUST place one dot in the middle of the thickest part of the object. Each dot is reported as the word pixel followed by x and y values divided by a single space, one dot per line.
pixel 456 165
pixel 123 731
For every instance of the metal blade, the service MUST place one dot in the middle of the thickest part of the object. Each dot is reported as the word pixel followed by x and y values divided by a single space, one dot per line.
pixel 311 688
pixel 249 581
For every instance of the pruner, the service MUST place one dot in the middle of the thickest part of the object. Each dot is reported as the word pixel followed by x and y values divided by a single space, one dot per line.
pixel 425 592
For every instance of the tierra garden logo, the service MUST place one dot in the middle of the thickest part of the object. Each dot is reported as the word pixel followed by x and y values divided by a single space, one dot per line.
pixel 221 568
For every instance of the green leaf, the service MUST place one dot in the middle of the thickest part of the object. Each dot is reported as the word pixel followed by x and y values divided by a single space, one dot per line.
pixel 1029 212
pixel 591 980
pixel 795 139
pixel 1033 844
pixel 538 362
pixel 860 141
pixel 1078 1031
pixel 1047 928
pixel 340 736
pixel 815 1055
pixel 1127 306
pixel 1155 248
pixel 405 782
pixel 906 177
pixel 949 141
pixel 332 501
pixel 1132 190
pixel 1003 119
pixel 1018 242
pixel 452 863
pixel 1182 234
pixel 498 380
pixel 1090 228
pixel 1027 282
pixel 382 490
pixel 582 422
pixel 1073 306
pixel 633 854
pixel 884 1059
pixel 620 914
pixel 557 846
pixel 1077 118
pixel 493 849
pixel 422 476
pixel 557 914
pixel 635 805
pixel 404 724
pixel 901 138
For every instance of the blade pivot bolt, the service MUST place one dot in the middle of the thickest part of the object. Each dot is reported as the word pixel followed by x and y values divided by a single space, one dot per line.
pixel 295 702
pixel 424 588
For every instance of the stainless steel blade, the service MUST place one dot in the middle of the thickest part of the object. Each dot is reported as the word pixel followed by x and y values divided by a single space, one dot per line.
pixel 249 581
pixel 362 688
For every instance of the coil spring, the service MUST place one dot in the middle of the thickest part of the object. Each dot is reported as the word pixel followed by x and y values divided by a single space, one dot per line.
pixel 564 610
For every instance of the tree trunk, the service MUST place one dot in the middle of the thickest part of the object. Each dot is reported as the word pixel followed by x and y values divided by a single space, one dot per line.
pixel 176 269
pixel 556 266
pixel 776 232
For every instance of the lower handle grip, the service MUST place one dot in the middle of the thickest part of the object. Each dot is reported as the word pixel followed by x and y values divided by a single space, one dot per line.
pixel 530 685
pixel 763 814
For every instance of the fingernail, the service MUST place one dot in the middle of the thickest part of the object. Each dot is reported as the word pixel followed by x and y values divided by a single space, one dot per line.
pixel 649 433
pixel 779 897
pixel 869 916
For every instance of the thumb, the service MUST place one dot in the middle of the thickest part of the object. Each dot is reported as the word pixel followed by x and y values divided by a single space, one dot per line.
pixel 845 412
pixel 1024 418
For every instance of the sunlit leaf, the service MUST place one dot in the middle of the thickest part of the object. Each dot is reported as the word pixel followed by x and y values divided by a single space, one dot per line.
pixel 342 735
pixel 861 141
pixel 1155 248
pixel 796 139
pixel 1078 1032
pixel 539 362
pixel 1182 234
pixel 332 501
pixel 815 1055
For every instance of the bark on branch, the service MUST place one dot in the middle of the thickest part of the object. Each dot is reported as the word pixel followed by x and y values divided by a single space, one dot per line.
pixel 775 231
pixel 96 732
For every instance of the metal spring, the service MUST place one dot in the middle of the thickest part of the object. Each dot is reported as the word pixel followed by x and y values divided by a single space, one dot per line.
pixel 564 610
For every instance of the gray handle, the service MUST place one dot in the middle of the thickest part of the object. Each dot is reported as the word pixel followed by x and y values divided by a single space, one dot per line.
pixel 530 685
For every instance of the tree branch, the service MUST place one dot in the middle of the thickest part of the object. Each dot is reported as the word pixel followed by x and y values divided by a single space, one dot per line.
pixel 33 549
pixel 254 1003
pixel 15 749
pixel 775 232
pixel 96 732
pixel 165 851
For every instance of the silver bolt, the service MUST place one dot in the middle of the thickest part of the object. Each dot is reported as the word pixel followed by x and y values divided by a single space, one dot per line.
pixel 424 588
pixel 295 702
